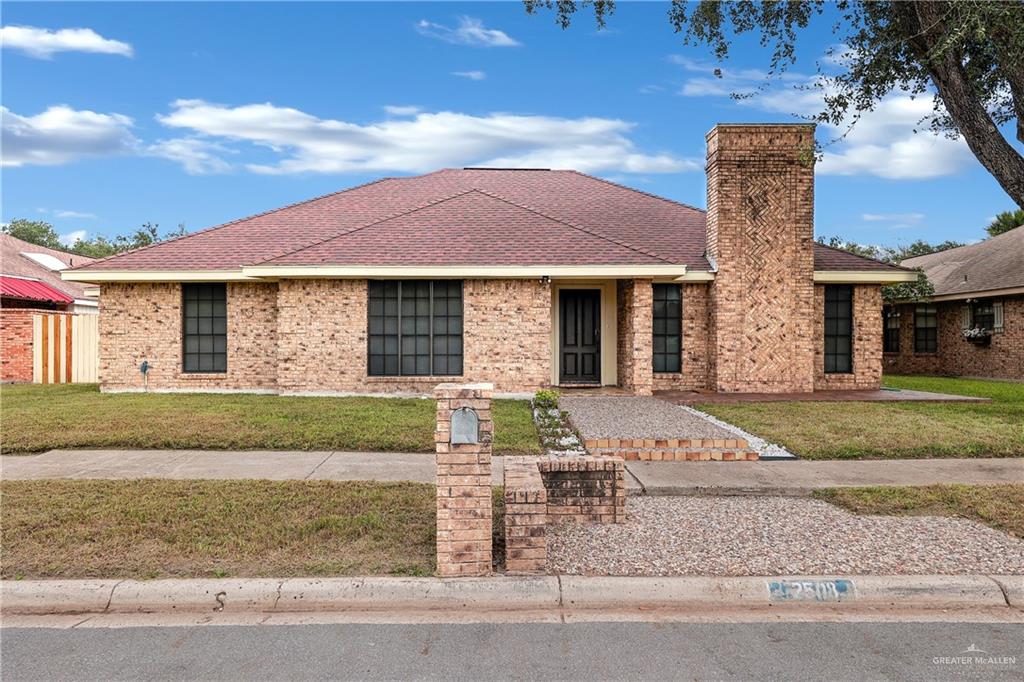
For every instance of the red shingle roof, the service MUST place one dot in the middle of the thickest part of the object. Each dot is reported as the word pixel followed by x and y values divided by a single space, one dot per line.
pixel 468 217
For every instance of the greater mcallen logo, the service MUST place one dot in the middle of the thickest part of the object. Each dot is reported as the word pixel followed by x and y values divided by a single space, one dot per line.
pixel 973 655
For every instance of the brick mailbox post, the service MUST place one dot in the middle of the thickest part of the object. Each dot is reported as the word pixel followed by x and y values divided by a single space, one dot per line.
pixel 463 443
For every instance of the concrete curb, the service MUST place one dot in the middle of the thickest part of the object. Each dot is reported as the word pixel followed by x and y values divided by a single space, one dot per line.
pixel 505 593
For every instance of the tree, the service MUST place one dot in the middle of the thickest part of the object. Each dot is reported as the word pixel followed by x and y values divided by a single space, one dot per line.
pixel 969 53
pixel 1005 221
pixel 43 234
pixel 35 232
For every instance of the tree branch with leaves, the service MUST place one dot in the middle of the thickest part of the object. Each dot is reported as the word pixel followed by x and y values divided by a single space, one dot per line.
pixel 967 54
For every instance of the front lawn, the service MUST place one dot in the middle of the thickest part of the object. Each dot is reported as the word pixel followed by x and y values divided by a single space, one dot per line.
pixel 37 418
pixel 849 430
pixel 188 529
pixel 999 506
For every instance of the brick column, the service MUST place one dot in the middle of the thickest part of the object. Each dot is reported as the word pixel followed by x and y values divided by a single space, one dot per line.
pixel 634 300
pixel 463 484
pixel 760 237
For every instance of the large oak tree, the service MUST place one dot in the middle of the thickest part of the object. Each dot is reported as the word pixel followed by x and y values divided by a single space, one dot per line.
pixel 968 53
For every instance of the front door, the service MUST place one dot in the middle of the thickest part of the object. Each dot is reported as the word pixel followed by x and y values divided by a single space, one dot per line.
pixel 580 331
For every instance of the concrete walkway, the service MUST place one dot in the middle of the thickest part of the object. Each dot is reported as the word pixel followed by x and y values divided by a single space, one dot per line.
pixel 652 478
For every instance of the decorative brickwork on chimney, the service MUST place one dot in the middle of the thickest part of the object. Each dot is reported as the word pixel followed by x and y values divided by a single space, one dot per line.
pixel 760 234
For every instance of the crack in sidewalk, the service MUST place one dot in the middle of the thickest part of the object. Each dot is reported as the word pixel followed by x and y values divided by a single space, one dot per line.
pixel 314 469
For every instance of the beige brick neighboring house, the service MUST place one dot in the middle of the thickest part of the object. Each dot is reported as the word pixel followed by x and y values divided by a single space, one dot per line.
pixel 523 278
pixel 973 325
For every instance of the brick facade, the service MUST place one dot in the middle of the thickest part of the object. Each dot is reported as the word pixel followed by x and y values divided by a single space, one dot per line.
pixel 1003 359
pixel 695 361
pixel 867 341
pixel 16 344
pixel 633 306
pixel 760 236
pixel 143 322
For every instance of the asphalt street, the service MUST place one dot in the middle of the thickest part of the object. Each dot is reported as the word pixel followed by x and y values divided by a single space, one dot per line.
pixel 583 651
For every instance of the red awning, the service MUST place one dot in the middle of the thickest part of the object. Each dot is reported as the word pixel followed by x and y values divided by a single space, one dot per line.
pixel 31 290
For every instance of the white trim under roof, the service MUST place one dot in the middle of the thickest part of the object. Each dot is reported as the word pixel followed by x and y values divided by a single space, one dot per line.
pixel 465 271
pixel 864 276
pixel 98 276
pixel 256 273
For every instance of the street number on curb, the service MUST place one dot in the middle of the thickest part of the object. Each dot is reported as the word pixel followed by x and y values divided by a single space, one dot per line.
pixel 811 590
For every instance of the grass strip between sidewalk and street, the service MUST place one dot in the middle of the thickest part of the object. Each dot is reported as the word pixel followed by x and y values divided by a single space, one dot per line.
pixel 208 529
pixel 70 416
pixel 999 506
pixel 891 430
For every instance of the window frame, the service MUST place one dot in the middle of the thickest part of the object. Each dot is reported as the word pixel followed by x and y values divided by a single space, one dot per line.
pixel 213 335
pixel 836 336
pixel 423 332
pixel 991 315
pixel 891 329
pixel 930 340
pixel 671 332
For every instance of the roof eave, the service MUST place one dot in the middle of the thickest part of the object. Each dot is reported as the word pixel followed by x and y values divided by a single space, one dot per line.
pixel 864 276
pixel 464 271
pixel 101 276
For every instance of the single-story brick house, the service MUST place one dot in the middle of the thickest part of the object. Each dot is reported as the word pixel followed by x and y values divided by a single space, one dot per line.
pixel 521 277
pixel 973 324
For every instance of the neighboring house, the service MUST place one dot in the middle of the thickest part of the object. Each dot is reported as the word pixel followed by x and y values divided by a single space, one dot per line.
pixel 30 285
pixel 521 277
pixel 30 278
pixel 973 325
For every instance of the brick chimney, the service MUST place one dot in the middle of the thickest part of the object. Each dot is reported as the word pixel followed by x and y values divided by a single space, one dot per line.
pixel 760 236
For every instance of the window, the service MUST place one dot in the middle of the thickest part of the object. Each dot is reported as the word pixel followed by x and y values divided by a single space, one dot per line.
pixel 839 328
pixel 983 315
pixel 667 327
pixel 415 328
pixel 926 329
pixel 891 330
pixel 205 328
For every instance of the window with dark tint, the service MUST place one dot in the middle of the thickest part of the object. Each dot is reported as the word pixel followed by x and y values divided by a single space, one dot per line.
pixel 204 328
pixel 926 329
pixel 415 328
pixel 667 327
pixel 839 328
pixel 983 315
pixel 891 330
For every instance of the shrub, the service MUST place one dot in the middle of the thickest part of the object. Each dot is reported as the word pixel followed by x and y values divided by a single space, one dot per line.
pixel 546 400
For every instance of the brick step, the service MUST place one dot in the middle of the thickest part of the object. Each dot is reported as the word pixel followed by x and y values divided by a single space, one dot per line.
pixel 688 454
pixel 666 443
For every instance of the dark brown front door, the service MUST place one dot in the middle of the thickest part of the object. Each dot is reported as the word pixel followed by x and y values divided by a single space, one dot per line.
pixel 580 328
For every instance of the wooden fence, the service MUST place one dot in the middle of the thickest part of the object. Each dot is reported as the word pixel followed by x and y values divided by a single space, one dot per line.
pixel 65 348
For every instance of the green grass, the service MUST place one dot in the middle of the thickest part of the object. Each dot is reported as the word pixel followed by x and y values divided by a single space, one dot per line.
pixel 853 430
pixel 36 418
pixel 162 528
pixel 999 506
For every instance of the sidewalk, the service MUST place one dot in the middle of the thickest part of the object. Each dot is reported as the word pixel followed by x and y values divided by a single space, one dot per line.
pixel 651 478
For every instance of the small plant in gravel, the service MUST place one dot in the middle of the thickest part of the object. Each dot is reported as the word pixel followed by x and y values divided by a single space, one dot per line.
pixel 557 436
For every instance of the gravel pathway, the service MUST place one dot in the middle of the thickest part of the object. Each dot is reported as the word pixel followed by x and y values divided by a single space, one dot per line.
pixel 776 536
pixel 637 417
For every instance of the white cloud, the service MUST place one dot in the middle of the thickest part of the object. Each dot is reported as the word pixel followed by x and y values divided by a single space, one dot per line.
pixel 650 89
pixel 43 43
pixel 62 134
pixel 470 31
pixel 471 75
pixel 70 238
pixel 425 142
pixel 74 214
pixel 197 156
pixel 883 142
pixel 892 217
pixel 402 110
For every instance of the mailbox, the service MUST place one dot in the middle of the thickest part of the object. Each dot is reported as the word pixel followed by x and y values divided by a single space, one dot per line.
pixel 465 426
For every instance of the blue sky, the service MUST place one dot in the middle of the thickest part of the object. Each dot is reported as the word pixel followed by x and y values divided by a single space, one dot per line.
pixel 201 113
